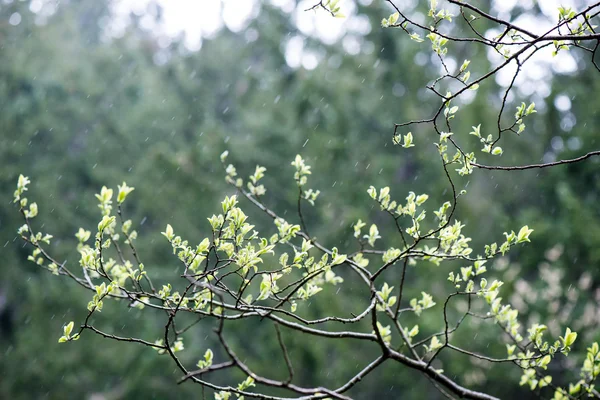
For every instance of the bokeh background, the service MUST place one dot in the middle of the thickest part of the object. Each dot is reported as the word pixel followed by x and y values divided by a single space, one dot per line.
pixel 93 93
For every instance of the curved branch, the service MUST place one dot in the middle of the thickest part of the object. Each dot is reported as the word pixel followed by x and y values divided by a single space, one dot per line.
pixel 533 166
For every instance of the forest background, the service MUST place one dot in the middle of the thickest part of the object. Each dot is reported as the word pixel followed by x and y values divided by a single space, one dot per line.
pixel 85 104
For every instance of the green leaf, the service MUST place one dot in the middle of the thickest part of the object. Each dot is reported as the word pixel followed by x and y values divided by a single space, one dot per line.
pixel 414 331
pixel 68 328
pixel 416 37
pixel 510 349
pixel 168 233
pixel 203 246
pixel 434 344
pixel 569 338
pixel 408 140
pixel 105 223
pixel 476 131
pixel 372 192
pixel 224 155
pixel 124 190
pixel 523 235
pixel 373 235
pixel 338 259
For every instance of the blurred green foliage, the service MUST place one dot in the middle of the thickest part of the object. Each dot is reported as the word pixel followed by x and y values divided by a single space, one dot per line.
pixel 78 111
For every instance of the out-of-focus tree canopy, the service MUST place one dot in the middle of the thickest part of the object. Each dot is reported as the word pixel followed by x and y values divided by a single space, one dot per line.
pixel 81 108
